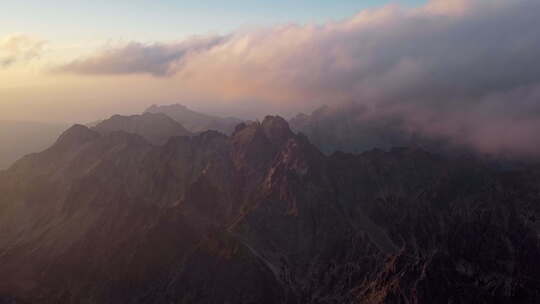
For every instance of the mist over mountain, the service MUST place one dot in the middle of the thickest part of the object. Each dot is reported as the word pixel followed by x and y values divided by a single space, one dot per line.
pixel 462 70
pixel 348 129
pixel 355 128
pixel 262 216
pixel 406 169
pixel 18 138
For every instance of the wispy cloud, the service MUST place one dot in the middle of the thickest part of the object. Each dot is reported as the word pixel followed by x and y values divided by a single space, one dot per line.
pixel 467 69
pixel 19 48
pixel 158 59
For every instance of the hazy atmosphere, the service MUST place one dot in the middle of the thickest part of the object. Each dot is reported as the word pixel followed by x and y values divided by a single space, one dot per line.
pixel 451 67
pixel 53 62
pixel 251 151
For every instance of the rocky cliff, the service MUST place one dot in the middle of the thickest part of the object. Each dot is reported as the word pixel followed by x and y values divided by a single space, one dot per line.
pixel 262 216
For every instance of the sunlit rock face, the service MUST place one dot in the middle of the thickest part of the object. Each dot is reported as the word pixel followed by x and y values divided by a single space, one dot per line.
pixel 261 216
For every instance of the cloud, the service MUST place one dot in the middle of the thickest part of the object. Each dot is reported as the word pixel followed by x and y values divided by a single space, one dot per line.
pixel 466 69
pixel 19 48
pixel 135 58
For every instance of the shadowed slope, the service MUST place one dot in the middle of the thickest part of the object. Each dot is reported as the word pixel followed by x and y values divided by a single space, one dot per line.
pixel 261 217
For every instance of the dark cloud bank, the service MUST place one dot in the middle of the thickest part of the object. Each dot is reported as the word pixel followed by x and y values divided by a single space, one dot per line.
pixel 464 70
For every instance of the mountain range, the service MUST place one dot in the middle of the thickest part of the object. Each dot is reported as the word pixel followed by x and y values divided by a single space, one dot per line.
pixel 156 128
pixel 354 128
pixel 261 215
pixel 196 121
pixel 18 138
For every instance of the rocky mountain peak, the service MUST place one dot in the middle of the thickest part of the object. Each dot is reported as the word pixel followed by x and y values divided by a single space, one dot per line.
pixel 269 135
pixel 195 121
pixel 76 135
pixel 155 108
pixel 276 129
pixel 157 128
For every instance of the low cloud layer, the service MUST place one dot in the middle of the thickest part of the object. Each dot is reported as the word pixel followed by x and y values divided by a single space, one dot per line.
pixel 463 69
pixel 19 48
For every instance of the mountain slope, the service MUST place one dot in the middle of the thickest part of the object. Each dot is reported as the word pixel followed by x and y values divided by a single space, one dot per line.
pixel 156 128
pixel 195 121
pixel 262 216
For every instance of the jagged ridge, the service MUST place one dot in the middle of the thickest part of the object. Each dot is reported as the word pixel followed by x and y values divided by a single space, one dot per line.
pixel 262 217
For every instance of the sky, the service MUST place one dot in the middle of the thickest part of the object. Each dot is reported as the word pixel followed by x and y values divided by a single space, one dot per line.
pixel 68 29
pixel 462 69
pixel 78 27
pixel 146 20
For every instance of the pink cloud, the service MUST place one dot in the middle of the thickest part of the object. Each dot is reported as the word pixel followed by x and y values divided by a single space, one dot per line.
pixel 449 67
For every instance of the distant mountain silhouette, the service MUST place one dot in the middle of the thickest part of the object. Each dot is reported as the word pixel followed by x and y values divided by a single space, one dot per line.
pixel 195 121
pixel 350 128
pixel 262 216
pixel 18 138
pixel 156 128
